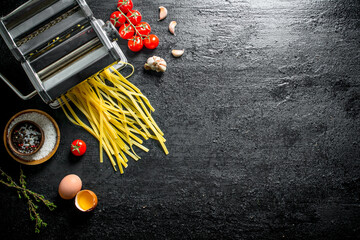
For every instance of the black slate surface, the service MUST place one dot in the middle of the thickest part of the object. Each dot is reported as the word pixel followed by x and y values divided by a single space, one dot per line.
pixel 261 116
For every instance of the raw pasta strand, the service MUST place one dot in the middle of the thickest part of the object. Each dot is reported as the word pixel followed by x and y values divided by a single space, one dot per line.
pixel 119 115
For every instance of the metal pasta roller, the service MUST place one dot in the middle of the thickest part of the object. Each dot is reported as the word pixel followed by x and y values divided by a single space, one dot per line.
pixel 59 44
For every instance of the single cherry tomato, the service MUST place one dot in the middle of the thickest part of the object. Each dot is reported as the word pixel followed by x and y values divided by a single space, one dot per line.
pixel 151 41
pixel 143 28
pixel 78 147
pixel 134 16
pixel 117 19
pixel 125 5
pixel 126 31
pixel 135 44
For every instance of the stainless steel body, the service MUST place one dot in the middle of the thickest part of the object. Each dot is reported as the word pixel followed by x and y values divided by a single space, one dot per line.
pixel 59 44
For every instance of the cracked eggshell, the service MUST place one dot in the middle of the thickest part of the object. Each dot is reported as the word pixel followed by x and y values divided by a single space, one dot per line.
pixel 86 200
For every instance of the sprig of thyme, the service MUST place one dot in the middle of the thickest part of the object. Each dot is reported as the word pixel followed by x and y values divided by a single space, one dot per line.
pixel 27 194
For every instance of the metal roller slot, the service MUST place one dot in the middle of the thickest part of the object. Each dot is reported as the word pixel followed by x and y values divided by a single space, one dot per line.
pixel 52 31
pixel 26 11
pixel 61 47
pixel 42 18
pixel 68 59
pixel 51 43
pixel 77 72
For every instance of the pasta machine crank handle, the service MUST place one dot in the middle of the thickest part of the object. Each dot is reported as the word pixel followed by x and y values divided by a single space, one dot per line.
pixel 23 97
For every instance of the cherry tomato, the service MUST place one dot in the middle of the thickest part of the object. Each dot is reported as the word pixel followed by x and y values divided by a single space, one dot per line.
pixel 151 41
pixel 143 28
pixel 134 16
pixel 78 147
pixel 135 44
pixel 125 5
pixel 117 19
pixel 126 31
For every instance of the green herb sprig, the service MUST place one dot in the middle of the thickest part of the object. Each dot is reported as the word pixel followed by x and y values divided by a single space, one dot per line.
pixel 27 194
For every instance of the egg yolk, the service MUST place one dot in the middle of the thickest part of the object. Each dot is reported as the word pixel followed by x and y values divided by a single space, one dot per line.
pixel 85 201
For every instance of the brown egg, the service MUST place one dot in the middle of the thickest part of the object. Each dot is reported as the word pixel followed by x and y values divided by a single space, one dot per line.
pixel 69 186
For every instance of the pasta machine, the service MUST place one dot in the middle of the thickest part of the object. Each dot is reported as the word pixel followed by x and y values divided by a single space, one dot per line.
pixel 59 44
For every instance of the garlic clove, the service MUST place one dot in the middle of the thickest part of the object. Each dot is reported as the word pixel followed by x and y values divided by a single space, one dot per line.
pixel 147 66
pixel 172 27
pixel 161 68
pixel 151 60
pixel 163 13
pixel 177 53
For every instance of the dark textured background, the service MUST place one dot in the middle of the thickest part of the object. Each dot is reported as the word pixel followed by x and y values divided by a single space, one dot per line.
pixel 261 116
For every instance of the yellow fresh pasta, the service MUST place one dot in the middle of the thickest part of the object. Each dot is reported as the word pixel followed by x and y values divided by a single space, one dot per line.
pixel 118 115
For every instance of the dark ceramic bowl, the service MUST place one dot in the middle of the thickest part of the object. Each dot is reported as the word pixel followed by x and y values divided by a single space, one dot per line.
pixel 16 127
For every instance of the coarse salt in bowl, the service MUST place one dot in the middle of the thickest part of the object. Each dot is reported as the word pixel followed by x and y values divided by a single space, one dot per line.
pixel 50 134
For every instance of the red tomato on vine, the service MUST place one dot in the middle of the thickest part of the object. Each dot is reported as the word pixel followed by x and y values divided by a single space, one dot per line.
pixel 135 44
pixel 125 5
pixel 143 28
pixel 151 41
pixel 126 31
pixel 117 19
pixel 137 32
pixel 134 16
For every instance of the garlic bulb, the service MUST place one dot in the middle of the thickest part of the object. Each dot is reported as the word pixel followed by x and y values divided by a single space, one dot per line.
pixel 155 63
pixel 163 13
